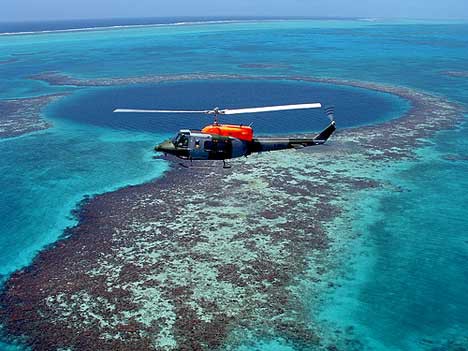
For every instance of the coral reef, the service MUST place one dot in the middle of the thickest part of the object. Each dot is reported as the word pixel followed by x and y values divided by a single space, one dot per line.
pixel 204 256
pixel 22 116
pixel 459 74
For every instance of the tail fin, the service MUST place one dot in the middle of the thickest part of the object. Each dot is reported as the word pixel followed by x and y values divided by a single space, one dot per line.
pixel 327 132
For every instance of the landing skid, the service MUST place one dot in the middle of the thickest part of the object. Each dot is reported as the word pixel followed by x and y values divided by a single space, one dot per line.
pixel 184 165
pixel 191 166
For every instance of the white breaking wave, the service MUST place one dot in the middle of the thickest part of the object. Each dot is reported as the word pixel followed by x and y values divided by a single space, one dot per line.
pixel 370 19
pixel 87 29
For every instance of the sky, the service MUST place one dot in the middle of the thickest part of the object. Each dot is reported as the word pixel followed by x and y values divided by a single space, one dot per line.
pixel 24 10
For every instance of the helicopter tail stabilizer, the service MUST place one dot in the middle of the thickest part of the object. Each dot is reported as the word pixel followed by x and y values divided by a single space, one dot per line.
pixel 326 133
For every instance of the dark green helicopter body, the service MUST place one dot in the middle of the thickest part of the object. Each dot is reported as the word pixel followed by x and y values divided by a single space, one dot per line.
pixel 195 145
pixel 227 141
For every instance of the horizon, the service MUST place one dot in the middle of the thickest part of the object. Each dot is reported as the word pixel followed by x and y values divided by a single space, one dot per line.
pixel 235 17
pixel 53 10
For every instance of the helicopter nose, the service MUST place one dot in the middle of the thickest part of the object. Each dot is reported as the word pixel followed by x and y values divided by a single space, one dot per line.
pixel 166 147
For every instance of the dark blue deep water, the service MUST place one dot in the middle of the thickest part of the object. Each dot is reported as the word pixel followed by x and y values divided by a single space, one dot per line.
pixel 354 107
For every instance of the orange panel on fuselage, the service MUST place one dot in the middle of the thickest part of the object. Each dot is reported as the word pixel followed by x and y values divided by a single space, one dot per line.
pixel 235 131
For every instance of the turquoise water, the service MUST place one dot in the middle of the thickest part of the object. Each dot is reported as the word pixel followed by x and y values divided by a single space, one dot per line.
pixel 46 174
pixel 405 288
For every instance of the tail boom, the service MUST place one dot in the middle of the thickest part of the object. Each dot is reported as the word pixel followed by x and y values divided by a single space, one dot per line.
pixel 273 144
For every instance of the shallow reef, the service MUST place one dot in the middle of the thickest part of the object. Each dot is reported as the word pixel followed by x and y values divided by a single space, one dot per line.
pixel 56 78
pixel 8 61
pixel 22 116
pixel 207 257
pixel 263 65
pixel 459 74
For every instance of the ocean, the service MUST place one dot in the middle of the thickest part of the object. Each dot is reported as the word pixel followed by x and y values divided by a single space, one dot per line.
pixel 403 286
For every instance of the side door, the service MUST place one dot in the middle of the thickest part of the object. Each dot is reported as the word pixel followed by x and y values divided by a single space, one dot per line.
pixel 197 150
pixel 218 148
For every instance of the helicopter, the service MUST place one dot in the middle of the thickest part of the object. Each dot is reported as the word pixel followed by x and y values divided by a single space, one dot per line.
pixel 227 141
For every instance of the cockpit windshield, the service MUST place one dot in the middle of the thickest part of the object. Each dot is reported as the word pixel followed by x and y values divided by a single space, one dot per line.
pixel 181 140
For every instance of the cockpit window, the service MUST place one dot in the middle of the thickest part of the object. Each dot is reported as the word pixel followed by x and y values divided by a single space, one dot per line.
pixel 181 140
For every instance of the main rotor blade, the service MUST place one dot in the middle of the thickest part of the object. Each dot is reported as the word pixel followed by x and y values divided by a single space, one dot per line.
pixel 227 111
pixel 269 109
pixel 131 110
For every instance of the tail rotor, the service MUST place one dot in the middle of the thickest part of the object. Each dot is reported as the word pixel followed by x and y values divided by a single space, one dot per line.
pixel 330 111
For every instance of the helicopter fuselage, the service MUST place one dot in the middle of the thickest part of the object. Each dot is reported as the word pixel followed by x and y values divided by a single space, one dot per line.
pixel 225 141
pixel 231 141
